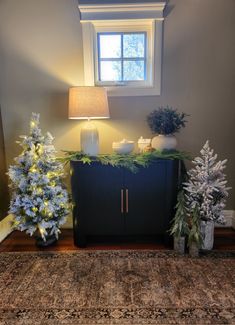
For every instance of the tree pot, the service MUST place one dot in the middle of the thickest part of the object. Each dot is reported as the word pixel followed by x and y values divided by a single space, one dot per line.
pixel 50 240
pixel 193 249
pixel 207 233
pixel 164 142
pixel 179 245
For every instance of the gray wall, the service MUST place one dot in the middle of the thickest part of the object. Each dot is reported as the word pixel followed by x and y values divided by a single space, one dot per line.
pixel 4 197
pixel 42 57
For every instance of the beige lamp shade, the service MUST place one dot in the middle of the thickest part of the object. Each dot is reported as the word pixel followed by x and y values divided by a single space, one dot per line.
pixel 88 103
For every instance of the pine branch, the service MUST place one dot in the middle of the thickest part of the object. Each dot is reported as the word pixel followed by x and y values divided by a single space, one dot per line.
pixel 195 232
pixel 180 226
pixel 131 161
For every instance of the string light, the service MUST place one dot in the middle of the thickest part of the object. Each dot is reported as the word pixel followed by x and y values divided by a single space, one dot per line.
pixel 42 231
pixel 39 190
pixel 33 169
pixel 39 149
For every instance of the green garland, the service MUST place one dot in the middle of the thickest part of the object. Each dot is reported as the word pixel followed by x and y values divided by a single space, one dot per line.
pixel 130 161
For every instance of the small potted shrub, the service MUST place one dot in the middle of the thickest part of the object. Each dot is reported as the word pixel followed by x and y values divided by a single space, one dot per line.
pixel 179 228
pixel 165 122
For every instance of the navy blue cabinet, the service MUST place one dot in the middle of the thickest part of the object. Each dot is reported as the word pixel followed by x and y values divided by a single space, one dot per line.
pixel 111 201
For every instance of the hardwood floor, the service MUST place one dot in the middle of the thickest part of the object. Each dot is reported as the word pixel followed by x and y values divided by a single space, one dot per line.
pixel 224 239
pixel 19 241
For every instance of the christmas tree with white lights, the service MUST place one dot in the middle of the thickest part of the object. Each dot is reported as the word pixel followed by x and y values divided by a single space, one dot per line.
pixel 206 188
pixel 40 202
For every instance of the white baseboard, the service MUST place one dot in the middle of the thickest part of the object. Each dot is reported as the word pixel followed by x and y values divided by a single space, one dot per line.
pixel 229 216
pixel 69 223
pixel 233 220
pixel 5 227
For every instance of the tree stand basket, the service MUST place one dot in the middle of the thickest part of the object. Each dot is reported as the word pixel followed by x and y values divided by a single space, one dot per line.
pixel 50 240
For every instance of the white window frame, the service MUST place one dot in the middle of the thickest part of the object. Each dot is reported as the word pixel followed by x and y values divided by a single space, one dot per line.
pixel 127 26
pixel 124 18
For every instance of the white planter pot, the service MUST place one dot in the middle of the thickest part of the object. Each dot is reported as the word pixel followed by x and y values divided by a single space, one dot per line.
pixel 207 232
pixel 179 245
pixel 161 142
pixel 193 250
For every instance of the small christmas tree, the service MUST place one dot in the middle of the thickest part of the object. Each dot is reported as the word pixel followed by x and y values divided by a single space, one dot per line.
pixel 206 188
pixel 39 200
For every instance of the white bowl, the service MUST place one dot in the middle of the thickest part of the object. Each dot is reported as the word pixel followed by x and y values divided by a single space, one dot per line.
pixel 123 148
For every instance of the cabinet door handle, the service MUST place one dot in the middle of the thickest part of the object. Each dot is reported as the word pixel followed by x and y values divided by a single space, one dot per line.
pixel 122 210
pixel 127 201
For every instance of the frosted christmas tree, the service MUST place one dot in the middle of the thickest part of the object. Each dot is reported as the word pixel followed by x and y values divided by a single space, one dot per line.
pixel 39 203
pixel 206 189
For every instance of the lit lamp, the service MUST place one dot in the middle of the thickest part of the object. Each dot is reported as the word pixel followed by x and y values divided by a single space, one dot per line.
pixel 88 103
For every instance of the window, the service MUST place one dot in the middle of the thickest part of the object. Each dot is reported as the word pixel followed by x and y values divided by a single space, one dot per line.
pixel 121 57
pixel 122 47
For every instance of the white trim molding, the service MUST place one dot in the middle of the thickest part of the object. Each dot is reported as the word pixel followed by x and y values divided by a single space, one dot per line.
pixel 229 216
pixel 69 222
pixel 126 10
pixel 5 227
pixel 123 17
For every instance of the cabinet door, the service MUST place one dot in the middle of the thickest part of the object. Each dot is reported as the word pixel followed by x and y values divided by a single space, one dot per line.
pixel 97 194
pixel 150 200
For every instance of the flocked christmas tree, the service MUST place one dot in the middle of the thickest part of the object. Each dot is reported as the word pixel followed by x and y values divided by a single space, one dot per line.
pixel 206 189
pixel 40 202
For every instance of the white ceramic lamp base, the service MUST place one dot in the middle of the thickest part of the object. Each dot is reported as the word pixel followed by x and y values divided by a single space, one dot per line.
pixel 90 139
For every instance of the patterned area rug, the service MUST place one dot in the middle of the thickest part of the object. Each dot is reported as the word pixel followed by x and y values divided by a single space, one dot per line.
pixel 116 287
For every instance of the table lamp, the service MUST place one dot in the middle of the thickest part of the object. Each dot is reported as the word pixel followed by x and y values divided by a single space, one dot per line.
pixel 88 103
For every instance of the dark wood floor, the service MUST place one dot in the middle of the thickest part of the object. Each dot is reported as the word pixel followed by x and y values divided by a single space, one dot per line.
pixel 19 241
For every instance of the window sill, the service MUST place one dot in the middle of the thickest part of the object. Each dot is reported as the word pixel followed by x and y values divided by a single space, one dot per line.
pixel 133 91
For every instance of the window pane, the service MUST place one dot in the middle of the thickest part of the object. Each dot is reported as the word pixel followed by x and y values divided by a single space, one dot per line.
pixel 133 70
pixel 134 45
pixel 110 71
pixel 110 46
